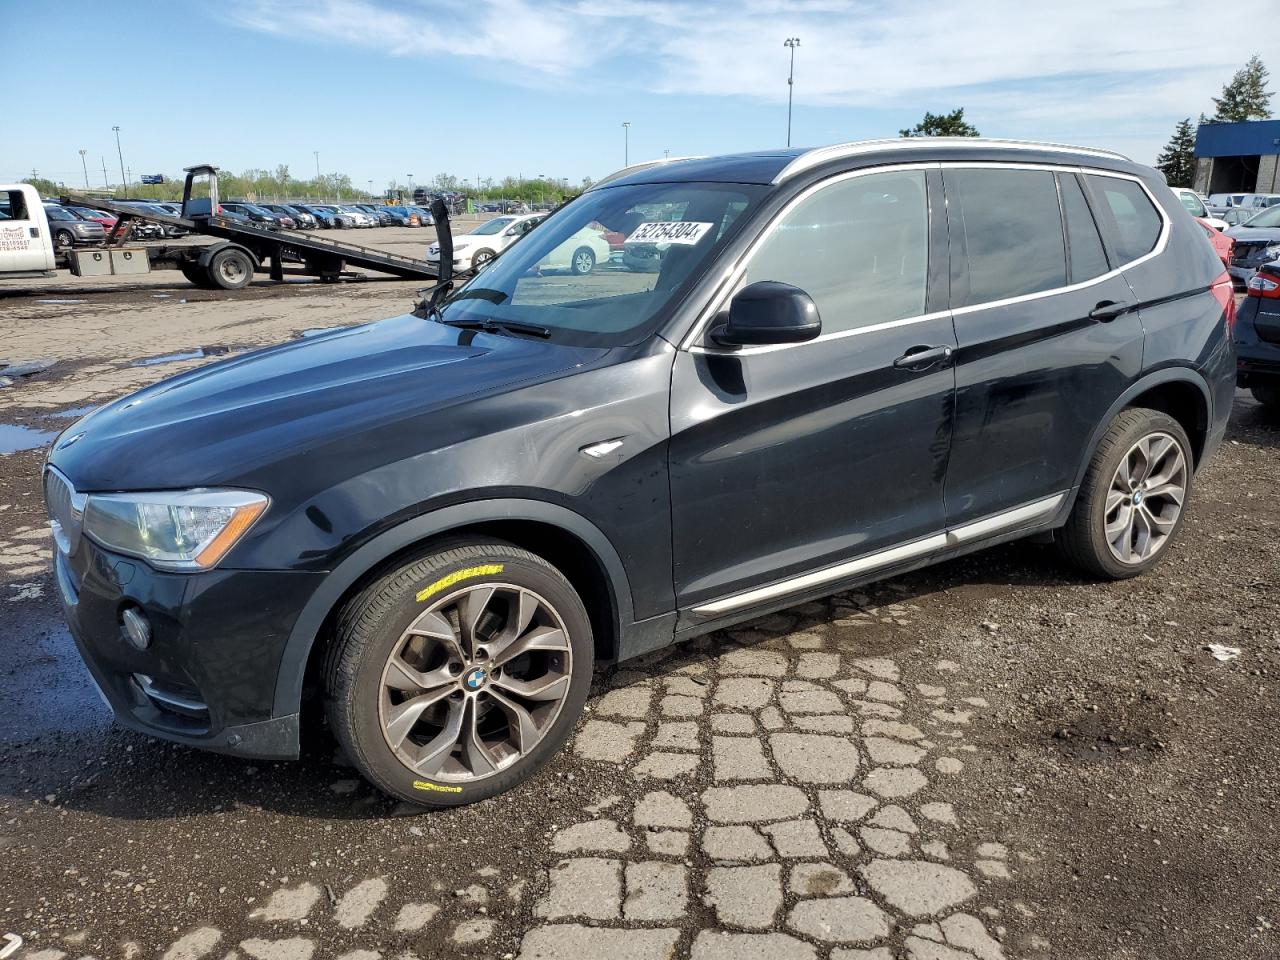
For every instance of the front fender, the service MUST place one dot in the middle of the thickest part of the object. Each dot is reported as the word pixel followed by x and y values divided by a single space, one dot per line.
pixel 297 651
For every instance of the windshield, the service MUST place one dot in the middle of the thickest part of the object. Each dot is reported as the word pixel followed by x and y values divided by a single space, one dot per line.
pixel 1269 217
pixel 497 225
pixel 602 271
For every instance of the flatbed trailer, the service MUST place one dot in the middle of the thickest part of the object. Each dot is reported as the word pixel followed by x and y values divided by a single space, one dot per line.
pixel 242 250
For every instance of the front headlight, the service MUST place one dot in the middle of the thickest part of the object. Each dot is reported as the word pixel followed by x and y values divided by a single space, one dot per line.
pixel 174 530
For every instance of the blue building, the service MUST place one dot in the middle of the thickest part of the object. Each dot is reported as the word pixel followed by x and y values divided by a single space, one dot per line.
pixel 1238 157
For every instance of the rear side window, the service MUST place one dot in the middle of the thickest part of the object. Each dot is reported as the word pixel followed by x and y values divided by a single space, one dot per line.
pixel 1134 224
pixel 1086 256
pixel 1012 231
pixel 858 247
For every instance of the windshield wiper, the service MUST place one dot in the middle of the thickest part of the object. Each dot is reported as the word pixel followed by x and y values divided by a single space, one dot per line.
pixel 492 326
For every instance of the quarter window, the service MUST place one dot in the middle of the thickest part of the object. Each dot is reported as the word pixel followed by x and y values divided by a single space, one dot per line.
pixel 1088 260
pixel 1012 231
pixel 859 248
pixel 1135 224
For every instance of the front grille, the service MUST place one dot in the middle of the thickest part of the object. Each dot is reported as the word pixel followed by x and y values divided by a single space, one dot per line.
pixel 66 510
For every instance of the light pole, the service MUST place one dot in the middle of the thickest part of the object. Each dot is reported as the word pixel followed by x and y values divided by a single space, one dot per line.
pixel 410 176
pixel 626 143
pixel 316 153
pixel 85 164
pixel 120 154
pixel 792 43
pixel 542 189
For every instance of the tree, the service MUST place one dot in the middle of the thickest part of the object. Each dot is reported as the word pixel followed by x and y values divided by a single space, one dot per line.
pixel 1246 97
pixel 1178 159
pixel 942 125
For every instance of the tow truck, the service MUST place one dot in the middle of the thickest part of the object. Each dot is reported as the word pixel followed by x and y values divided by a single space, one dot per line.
pixel 241 248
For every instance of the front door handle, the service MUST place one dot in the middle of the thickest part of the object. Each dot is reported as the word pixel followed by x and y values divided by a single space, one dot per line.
pixel 922 357
pixel 1108 310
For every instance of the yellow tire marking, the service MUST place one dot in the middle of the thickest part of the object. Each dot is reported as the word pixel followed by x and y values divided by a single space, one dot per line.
pixel 450 579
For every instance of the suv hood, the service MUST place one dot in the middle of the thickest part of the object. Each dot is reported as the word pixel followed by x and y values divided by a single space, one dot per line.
pixel 330 395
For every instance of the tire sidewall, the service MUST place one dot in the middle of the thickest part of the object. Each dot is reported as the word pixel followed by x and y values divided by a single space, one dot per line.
pixel 373 753
pixel 1154 422
pixel 573 264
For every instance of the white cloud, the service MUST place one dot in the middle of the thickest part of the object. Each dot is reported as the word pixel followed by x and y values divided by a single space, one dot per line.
pixel 1095 68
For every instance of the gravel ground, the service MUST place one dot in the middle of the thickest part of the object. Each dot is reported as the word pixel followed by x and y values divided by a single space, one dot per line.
pixel 1001 758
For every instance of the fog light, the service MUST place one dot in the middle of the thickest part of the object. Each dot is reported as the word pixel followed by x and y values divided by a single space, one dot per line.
pixel 136 628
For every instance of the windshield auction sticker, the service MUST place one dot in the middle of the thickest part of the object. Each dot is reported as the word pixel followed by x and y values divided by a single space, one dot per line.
pixel 670 231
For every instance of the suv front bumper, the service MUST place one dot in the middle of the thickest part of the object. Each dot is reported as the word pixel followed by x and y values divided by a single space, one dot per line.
pixel 208 676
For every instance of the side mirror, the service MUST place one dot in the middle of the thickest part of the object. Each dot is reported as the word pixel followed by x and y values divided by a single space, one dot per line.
pixel 768 312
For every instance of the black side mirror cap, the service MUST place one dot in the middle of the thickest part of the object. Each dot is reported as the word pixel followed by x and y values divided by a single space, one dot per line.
pixel 768 312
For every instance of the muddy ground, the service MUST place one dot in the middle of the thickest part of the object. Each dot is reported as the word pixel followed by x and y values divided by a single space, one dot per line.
pixel 1088 780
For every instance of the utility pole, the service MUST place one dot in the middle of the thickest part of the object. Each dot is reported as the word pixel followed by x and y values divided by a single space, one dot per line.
pixel 792 43
pixel 85 165
pixel 317 155
pixel 626 143
pixel 120 154
pixel 105 182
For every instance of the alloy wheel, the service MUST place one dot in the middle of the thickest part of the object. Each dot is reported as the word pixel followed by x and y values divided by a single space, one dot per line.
pixel 475 682
pixel 1145 498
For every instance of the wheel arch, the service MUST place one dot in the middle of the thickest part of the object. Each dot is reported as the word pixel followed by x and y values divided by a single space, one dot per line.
pixel 565 539
pixel 1179 392
pixel 209 252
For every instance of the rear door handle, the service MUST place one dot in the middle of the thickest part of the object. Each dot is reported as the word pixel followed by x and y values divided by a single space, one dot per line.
pixel 922 357
pixel 1108 310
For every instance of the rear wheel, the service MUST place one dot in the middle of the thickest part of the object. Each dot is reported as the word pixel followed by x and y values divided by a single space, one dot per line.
pixel 230 269
pixel 584 261
pixel 1132 500
pixel 1268 396
pixel 457 676
pixel 196 274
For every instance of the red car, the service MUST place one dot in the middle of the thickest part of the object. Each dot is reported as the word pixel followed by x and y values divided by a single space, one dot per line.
pixel 1222 244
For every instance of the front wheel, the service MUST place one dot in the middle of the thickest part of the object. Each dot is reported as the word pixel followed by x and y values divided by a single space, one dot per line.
pixel 64 240
pixel 481 259
pixel 1268 396
pixel 457 676
pixel 1131 503
pixel 584 261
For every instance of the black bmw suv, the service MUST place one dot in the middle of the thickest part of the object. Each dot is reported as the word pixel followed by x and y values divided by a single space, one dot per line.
pixel 853 361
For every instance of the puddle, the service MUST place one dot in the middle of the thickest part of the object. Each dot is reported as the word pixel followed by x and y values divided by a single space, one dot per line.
pixel 61 302
pixel 73 413
pixel 195 354
pixel 14 438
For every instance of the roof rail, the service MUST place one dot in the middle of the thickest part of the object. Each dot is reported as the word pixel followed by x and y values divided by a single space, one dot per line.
pixel 819 155
pixel 635 168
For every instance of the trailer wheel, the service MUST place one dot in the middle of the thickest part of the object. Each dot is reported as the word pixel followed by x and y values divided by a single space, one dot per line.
pixel 230 269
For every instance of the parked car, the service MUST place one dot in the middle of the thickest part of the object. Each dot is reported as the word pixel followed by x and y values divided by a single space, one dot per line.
pixel 107 220
pixel 288 216
pixel 1219 203
pixel 379 214
pixel 1257 337
pixel 424 216
pixel 1257 241
pixel 254 213
pixel 327 217
pixel 359 217
pixel 1234 216
pixel 403 216
pixel 475 249
pixel 1196 207
pixel 304 220
pixel 1222 244
pixel 69 229
pixel 442 521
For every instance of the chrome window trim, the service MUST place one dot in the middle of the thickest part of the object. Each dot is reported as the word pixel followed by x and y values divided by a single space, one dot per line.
pixel 733 275
pixel 838 151
pixel 971 532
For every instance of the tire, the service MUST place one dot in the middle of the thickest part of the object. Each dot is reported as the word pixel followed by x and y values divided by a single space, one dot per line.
pixel 1084 540
pixel 64 240
pixel 196 274
pixel 230 269
pixel 1268 396
pixel 375 721
pixel 480 258
pixel 583 262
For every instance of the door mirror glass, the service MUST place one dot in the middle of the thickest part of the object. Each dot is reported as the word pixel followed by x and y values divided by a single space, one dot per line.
pixel 769 312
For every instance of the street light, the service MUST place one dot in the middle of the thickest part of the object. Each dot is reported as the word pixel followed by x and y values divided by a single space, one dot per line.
pixel 410 176
pixel 120 154
pixel 85 165
pixel 626 143
pixel 792 43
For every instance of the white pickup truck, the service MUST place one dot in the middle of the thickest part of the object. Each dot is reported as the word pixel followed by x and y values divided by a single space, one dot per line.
pixel 26 245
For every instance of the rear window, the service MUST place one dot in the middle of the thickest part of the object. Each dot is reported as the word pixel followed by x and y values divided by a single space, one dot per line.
pixel 1012 231
pixel 1134 223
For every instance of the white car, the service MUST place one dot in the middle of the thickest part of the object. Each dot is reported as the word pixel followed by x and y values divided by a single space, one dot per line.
pixel 1196 207
pixel 579 254
pixel 361 218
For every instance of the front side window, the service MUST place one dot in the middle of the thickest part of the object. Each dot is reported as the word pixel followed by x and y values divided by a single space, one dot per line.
pixel 1012 229
pixel 858 247
pixel 648 241
pixel 1134 224
pixel 496 225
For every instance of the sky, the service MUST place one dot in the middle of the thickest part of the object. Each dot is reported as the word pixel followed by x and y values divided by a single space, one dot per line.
pixel 382 89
